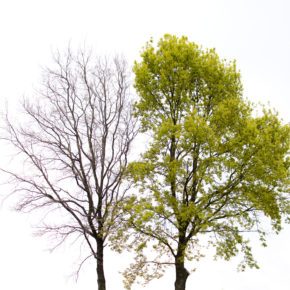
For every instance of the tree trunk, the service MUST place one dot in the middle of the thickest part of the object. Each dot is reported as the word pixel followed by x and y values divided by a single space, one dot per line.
pixel 181 274
pixel 100 265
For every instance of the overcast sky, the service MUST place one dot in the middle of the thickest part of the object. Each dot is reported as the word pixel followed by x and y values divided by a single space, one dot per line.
pixel 254 32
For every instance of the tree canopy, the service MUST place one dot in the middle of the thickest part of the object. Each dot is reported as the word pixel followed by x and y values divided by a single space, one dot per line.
pixel 213 168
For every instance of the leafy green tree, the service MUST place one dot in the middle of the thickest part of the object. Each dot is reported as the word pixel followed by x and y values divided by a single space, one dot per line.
pixel 212 169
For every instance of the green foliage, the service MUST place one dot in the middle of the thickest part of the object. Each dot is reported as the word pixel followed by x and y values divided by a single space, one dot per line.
pixel 212 168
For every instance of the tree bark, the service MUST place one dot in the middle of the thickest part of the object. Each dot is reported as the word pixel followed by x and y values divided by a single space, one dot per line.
pixel 100 265
pixel 181 274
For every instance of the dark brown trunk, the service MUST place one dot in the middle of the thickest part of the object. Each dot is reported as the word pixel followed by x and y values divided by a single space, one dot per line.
pixel 100 265
pixel 181 274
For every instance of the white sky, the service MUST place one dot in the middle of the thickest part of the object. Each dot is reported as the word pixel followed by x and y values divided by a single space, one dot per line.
pixel 254 32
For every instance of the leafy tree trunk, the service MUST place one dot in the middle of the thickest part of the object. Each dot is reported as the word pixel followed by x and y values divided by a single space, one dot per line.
pixel 180 271
pixel 100 265
pixel 181 274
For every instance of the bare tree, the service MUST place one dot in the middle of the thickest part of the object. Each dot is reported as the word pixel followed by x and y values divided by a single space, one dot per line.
pixel 75 143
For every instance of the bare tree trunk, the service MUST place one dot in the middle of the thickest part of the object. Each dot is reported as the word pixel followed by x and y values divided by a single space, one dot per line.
pixel 181 274
pixel 100 265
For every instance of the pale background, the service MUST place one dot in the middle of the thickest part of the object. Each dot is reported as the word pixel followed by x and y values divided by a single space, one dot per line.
pixel 255 33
